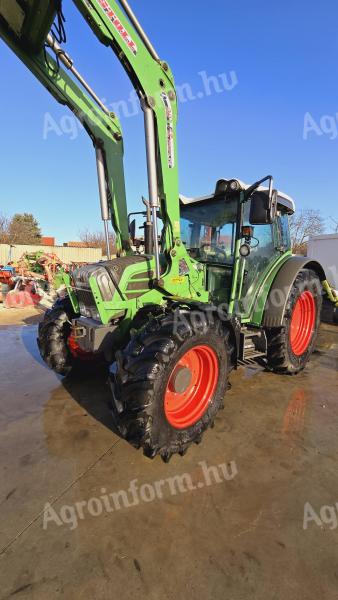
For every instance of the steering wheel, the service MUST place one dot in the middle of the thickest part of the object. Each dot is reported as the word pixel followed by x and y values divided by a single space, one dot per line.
pixel 217 251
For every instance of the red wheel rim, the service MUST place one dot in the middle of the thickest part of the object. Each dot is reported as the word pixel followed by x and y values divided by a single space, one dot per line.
pixel 191 387
pixel 302 323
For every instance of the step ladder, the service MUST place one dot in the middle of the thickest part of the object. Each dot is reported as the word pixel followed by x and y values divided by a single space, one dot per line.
pixel 253 346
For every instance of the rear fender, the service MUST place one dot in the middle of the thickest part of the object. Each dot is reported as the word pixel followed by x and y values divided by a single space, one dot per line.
pixel 281 287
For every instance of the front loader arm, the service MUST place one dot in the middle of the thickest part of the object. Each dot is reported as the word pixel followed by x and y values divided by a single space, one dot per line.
pixel 115 25
pixel 154 83
pixel 104 129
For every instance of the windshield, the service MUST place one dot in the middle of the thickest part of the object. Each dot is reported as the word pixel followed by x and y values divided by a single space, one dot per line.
pixel 208 229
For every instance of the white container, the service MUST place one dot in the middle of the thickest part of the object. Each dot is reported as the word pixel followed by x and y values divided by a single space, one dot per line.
pixel 324 249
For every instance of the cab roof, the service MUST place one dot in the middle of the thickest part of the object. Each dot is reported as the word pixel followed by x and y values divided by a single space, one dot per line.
pixel 284 200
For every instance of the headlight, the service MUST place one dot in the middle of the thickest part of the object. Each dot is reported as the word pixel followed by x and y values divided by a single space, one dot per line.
pixel 234 185
pixel 105 284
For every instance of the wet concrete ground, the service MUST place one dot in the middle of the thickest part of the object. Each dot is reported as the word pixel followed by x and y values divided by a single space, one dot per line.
pixel 19 316
pixel 225 539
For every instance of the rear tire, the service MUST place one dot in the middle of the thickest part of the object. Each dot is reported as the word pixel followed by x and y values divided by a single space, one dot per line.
pixel 290 346
pixel 169 383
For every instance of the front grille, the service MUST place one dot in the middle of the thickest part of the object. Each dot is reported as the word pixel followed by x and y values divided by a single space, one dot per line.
pixel 85 297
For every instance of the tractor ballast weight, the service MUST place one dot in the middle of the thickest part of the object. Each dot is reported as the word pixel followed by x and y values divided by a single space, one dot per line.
pixel 173 321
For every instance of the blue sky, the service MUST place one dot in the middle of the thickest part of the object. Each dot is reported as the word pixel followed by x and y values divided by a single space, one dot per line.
pixel 280 117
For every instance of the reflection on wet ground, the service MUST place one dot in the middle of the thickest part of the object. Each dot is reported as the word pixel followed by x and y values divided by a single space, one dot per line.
pixel 239 539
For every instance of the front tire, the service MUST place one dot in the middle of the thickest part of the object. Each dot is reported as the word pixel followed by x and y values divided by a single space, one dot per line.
pixel 57 348
pixel 170 381
pixel 290 346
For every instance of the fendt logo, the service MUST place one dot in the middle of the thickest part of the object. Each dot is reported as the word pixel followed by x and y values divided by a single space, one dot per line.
pixel 118 26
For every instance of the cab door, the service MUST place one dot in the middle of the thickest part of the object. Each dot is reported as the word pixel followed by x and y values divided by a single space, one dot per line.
pixel 267 246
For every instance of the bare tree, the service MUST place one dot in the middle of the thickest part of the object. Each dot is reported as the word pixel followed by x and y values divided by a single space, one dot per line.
pixel 335 225
pixel 96 239
pixel 302 225
pixel 4 229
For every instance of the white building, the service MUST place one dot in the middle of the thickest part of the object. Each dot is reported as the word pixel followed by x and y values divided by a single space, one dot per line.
pixel 66 254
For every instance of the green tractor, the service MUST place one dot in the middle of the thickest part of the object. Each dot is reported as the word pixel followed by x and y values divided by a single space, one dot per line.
pixel 213 285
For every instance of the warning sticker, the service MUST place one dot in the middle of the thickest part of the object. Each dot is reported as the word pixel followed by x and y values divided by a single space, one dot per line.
pixel 170 131
pixel 118 25
pixel 177 280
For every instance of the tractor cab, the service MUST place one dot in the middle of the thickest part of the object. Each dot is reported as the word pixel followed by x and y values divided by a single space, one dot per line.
pixel 238 233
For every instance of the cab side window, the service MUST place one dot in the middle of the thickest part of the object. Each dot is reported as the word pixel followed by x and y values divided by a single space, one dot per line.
pixel 283 230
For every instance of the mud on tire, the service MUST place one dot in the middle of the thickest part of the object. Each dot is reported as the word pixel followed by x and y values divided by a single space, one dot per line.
pixel 281 357
pixel 140 376
pixel 53 333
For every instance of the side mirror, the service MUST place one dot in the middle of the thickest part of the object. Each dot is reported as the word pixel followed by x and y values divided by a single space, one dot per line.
pixel 263 209
pixel 132 229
